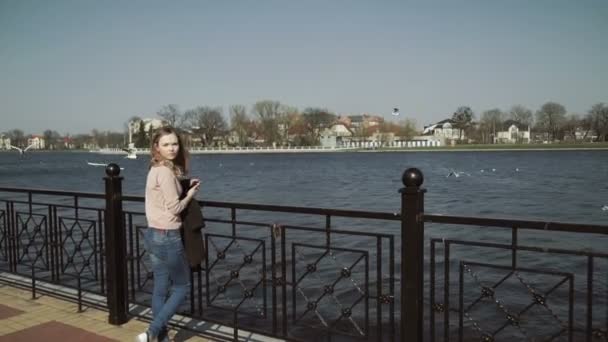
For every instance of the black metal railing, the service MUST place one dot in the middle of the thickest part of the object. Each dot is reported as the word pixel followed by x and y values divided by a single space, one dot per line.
pixel 542 288
pixel 301 273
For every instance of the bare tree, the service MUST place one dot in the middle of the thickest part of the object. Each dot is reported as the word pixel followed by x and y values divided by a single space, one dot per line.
pixel 521 114
pixel 142 140
pixel 288 118
pixel 114 139
pixel 586 124
pixel 47 135
pixel 407 129
pixel 171 114
pixel 569 126
pixel 97 137
pixel 269 114
pixel 207 122
pixel 404 129
pixel 598 117
pixel 51 137
pixel 491 121
pixel 240 123
pixel 550 117
pixel 463 119
pixel 315 121
pixel 17 137
pixel 81 140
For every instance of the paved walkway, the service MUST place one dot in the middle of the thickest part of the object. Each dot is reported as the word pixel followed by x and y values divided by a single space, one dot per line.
pixel 23 319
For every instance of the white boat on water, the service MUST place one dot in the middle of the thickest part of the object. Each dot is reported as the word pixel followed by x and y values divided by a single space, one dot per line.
pixel 131 151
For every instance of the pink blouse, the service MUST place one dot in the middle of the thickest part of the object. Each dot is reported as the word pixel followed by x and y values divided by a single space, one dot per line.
pixel 162 199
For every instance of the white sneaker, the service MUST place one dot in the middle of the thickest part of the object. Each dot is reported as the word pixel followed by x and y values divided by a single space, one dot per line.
pixel 144 337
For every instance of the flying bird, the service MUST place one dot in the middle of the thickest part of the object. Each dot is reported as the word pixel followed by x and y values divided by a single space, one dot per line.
pixel 22 151
pixel 457 173
pixel 395 111
pixel 100 164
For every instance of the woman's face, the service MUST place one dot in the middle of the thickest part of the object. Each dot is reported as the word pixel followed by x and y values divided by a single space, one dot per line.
pixel 168 146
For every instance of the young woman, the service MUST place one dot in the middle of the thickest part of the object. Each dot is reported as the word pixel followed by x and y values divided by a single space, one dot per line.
pixel 162 237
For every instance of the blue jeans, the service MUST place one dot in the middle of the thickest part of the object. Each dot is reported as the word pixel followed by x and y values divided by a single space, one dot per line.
pixel 169 264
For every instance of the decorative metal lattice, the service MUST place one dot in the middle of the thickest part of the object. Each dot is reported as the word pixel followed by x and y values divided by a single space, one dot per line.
pixel 236 272
pixel 522 317
pixel 3 237
pixel 139 254
pixel 336 301
pixel 32 239
pixel 78 246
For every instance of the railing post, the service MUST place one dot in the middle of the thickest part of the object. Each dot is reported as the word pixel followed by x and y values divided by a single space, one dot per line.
pixel 412 255
pixel 115 248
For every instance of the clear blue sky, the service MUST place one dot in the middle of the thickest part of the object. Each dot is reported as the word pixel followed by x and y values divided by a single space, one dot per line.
pixel 72 66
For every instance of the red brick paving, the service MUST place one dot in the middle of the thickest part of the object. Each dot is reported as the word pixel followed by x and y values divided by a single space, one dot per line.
pixel 7 312
pixel 54 331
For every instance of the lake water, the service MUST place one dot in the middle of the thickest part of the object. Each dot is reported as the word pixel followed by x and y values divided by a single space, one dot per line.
pixel 556 185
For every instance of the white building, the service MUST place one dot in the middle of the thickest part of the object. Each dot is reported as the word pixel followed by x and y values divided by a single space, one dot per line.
pixel 149 124
pixel 37 141
pixel 5 142
pixel 444 131
pixel 335 135
pixel 513 134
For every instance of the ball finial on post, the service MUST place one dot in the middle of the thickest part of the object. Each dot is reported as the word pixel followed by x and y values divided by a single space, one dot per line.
pixel 412 177
pixel 112 170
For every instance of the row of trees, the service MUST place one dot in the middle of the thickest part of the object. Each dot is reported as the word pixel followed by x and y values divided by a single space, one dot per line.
pixel 551 118
pixel 55 141
pixel 275 123
pixel 271 121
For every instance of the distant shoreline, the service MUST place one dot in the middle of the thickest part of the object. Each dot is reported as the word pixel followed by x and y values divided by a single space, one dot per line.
pixel 462 148
pixel 603 147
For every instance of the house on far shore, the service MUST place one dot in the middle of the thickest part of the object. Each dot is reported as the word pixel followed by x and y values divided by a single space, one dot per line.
pixel 68 143
pixel 513 133
pixel 148 124
pixel 335 135
pixel 444 131
pixel 581 134
pixel 5 143
pixel 36 140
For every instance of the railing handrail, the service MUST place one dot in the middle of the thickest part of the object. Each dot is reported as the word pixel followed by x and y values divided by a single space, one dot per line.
pixel 54 192
pixel 305 210
pixel 520 224
pixel 430 218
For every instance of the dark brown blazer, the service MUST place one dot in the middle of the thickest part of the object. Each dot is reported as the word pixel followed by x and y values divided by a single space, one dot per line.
pixel 192 236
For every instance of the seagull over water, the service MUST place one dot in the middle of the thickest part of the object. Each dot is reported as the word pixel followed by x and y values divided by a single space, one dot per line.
pixel 605 208
pixel 101 164
pixel 457 174
pixel 22 151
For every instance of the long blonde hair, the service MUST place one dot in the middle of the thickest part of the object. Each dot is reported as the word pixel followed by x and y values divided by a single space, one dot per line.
pixel 180 164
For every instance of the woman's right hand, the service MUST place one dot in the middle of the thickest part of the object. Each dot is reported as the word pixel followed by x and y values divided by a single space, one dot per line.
pixel 194 189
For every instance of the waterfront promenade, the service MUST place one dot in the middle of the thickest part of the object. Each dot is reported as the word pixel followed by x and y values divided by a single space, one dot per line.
pixel 47 318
